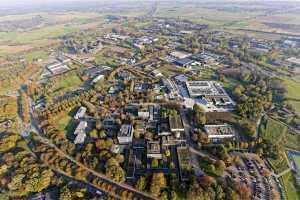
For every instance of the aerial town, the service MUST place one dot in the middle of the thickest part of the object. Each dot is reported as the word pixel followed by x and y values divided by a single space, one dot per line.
pixel 153 108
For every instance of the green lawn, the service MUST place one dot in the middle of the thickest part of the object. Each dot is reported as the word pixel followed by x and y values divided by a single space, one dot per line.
pixel 65 82
pixel 40 54
pixel 297 160
pixel 273 130
pixel 293 94
pixel 38 34
pixel 280 164
pixel 292 191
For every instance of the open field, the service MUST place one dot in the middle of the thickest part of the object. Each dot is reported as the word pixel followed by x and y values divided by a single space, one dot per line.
pixel 292 191
pixel 293 94
pixel 297 160
pixel 280 164
pixel 273 130
pixel 201 14
pixel 65 82
pixel 53 25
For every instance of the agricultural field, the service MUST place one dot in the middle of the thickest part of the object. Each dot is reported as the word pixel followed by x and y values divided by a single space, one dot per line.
pixel 52 26
pixel 201 14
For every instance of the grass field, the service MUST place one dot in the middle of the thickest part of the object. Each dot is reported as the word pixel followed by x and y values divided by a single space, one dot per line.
pixel 40 54
pixel 280 164
pixel 273 130
pixel 297 160
pixel 65 82
pixel 293 94
pixel 292 191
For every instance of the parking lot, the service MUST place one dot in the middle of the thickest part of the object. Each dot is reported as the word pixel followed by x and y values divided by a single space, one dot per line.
pixel 254 173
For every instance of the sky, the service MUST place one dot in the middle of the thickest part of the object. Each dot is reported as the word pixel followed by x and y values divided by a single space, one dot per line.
pixel 4 3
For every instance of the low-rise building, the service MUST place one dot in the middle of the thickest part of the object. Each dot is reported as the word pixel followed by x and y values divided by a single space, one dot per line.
pixel 97 78
pixel 184 62
pixel 175 123
pixel 80 132
pixel 154 150
pixel 80 113
pixel 180 54
pixel 218 133
pixel 143 112
pixel 125 134
pixel 57 68
pixel 211 92
pixel 96 70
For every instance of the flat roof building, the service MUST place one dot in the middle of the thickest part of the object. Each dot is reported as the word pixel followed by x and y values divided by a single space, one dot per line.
pixel 180 54
pixel 125 134
pixel 154 150
pixel 211 91
pixel 80 132
pixel 184 62
pixel 80 113
pixel 175 123
pixel 57 68
pixel 220 132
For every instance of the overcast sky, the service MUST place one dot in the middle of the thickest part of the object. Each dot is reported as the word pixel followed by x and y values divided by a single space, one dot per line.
pixel 30 2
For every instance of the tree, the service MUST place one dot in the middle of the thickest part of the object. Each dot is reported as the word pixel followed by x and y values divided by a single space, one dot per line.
pixel 243 190
pixel 220 195
pixel 231 194
pixel 114 171
pixel 65 193
pixel 154 163
pixel 207 181
pixel 250 129
pixel 120 158
pixel 141 183
pixel 220 167
pixel 94 134
pixel 167 153
pixel 158 183
pixel 199 115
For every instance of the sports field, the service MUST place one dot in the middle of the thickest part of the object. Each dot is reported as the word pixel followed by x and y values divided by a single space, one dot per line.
pixel 296 159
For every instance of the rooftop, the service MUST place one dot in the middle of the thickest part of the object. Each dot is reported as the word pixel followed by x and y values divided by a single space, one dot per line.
pixel 180 54
pixel 219 130
pixel 175 123
pixel 153 147
pixel 125 130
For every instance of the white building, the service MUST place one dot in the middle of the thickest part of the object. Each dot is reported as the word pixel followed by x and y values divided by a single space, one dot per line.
pixel 219 132
pixel 211 91
pixel 125 134
pixel 80 113
pixel 180 54
pixel 97 78
pixel 80 132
